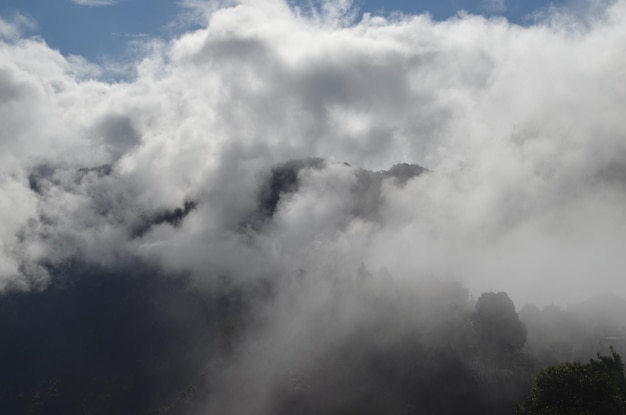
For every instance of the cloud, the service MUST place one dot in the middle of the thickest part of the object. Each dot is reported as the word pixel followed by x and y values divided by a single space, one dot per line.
pixel 13 28
pixel 519 125
pixel 184 169
pixel 94 2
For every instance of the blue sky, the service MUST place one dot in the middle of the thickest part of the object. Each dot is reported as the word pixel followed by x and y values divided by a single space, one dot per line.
pixel 100 31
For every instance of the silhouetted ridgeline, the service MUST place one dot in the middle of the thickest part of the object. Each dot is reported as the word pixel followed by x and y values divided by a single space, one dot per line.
pixel 365 194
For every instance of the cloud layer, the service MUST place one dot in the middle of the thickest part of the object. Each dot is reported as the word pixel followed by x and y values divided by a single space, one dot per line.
pixel 522 129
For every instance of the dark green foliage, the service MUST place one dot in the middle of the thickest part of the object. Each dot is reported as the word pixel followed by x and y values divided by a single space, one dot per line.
pixel 594 388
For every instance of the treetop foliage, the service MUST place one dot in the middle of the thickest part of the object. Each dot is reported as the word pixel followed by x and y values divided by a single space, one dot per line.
pixel 594 388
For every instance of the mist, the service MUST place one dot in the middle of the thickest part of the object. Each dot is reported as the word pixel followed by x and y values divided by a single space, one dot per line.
pixel 308 191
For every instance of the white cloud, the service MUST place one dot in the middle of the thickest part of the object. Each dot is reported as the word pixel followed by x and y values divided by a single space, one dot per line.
pixel 13 28
pixel 521 126
pixel 94 2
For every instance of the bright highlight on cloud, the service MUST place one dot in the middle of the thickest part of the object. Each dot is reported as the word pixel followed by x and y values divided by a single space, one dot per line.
pixel 522 130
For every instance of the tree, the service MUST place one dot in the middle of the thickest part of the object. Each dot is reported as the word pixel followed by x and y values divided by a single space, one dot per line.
pixel 594 388
pixel 497 323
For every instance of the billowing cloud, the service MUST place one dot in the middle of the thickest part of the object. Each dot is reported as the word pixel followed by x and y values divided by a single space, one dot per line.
pixel 253 157
pixel 520 126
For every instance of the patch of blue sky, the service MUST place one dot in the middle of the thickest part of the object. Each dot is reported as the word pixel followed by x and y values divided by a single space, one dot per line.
pixel 95 29
pixel 100 30
pixel 518 12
